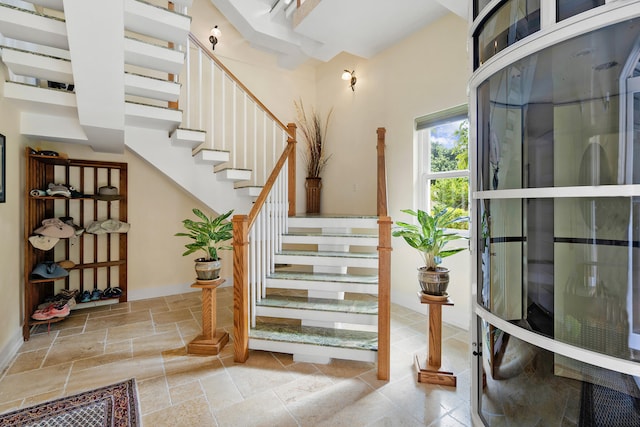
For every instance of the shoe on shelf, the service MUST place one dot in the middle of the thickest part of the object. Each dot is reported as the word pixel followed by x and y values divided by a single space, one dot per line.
pixel 96 294
pixel 85 297
pixel 51 311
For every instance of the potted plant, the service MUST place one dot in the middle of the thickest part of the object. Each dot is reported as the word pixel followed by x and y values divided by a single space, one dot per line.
pixel 314 133
pixel 429 237
pixel 207 235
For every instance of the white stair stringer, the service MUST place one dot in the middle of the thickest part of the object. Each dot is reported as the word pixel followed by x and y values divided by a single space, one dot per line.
pixel 177 163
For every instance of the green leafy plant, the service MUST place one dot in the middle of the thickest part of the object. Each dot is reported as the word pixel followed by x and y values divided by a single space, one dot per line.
pixel 431 234
pixel 207 234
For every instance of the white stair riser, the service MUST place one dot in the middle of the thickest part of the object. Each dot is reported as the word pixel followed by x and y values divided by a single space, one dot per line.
pixel 358 288
pixel 149 20
pixel 328 222
pixel 153 57
pixel 313 350
pixel 330 240
pixel 39 66
pixel 22 25
pixel 40 100
pixel 212 157
pixel 249 191
pixel 326 261
pixel 49 4
pixel 145 116
pixel 148 87
pixel 187 138
pixel 322 316
pixel 234 175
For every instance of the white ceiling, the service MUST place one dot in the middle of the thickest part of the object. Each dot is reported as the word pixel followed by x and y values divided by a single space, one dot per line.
pixel 321 29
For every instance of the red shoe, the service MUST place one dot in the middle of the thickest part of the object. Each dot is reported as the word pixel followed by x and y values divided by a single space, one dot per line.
pixel 51 311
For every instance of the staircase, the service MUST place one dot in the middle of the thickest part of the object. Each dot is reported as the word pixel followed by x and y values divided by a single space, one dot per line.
pixel 303 285
pixel 320 301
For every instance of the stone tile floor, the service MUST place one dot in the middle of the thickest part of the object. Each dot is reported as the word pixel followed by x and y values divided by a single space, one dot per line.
pixel 147 340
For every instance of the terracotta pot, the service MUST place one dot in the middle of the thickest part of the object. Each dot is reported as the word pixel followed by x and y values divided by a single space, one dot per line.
pixel 433 282
pixel 207 269
pixel 313 185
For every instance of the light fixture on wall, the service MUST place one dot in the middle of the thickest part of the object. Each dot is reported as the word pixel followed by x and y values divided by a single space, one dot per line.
pixel 213 37
pixel 350 76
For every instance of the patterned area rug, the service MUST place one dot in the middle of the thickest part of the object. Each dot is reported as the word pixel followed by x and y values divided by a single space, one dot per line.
pixel 115 405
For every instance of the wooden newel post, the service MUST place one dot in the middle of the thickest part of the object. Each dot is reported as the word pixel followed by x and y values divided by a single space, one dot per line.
pixel 291 127
pixel 240 288
pixel 384 297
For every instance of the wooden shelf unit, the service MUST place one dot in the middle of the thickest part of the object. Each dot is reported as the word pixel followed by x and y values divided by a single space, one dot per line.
pixel 101 260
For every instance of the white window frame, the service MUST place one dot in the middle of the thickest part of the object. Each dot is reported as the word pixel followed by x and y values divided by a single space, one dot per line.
pixel 422 137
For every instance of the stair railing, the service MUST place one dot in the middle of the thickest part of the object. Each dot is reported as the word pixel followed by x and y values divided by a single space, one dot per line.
pixel 214 100
pixel 384 265
pixel 256 239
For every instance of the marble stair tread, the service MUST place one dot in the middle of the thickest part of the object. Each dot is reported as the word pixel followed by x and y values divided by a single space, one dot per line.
pixel 320 304
pixel 324 277
pixel 342 338
pixel 362 255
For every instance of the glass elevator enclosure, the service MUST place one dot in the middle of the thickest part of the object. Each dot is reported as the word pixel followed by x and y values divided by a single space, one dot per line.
pixel 556 207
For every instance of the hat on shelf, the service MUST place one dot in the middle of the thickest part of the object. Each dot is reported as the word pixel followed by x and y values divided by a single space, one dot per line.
pixel 69 221
pixel 58 190
pixel 108 226
pixel 67 264
pixel 43 243
pixel 107 192
pixel 53 227
pixel 49 270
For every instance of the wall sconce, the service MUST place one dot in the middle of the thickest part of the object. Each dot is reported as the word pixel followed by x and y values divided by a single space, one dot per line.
pixel 350 76
pixel 213 37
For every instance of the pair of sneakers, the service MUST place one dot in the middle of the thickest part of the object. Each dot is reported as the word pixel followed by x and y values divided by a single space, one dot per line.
pixel 51 311
pixel 87 296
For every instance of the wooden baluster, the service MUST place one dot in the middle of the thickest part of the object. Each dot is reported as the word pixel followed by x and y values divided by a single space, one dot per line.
pixel 171 77
pixel 291 127
pixel 382 174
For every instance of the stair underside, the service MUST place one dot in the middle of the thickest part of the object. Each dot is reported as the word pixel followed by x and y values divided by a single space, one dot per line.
pixel 310 340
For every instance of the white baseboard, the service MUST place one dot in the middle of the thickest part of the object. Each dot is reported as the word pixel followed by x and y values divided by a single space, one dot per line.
pixel 164 291
pixel 10 350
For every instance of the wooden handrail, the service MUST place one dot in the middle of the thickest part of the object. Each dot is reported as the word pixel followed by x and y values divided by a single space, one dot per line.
pixel 382 174
pixel 205 49
pixel 288 152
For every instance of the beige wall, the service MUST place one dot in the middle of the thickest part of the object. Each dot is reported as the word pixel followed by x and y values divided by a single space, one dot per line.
pixel 11 248
pixel 422 74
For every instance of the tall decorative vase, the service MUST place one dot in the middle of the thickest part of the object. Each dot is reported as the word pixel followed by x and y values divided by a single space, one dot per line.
pixel 313 186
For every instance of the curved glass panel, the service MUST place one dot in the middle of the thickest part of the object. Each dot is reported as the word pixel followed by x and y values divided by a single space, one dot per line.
pixel 567 268
pixel 478 5
pixel 569 8
pixel 526 385
pixel 552 119
pixel 512 21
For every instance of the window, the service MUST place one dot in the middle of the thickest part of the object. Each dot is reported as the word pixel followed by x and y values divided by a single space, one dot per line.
pixel 444 161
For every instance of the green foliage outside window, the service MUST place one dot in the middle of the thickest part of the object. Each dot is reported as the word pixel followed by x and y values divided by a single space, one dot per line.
pixel 451 192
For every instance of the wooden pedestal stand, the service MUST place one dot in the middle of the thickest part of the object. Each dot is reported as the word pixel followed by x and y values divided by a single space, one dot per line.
pixel 209 343
pixel 432 370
